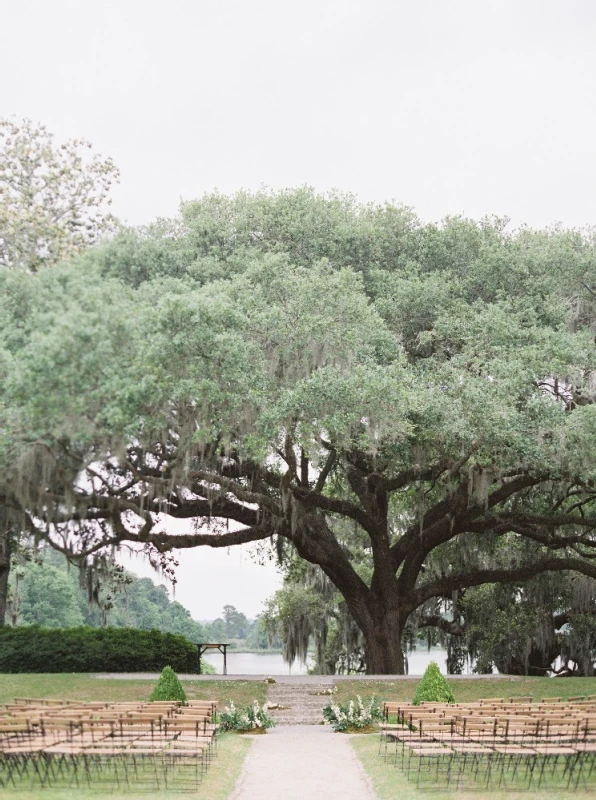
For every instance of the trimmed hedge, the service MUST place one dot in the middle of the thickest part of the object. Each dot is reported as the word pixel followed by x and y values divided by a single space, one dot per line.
pixel 30 648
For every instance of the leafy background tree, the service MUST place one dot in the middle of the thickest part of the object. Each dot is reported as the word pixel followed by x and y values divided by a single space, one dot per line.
pixel 54 198
pixel 310 617
pixel 547 625
pixel 236 623
pixel 54 202
pixel 46 591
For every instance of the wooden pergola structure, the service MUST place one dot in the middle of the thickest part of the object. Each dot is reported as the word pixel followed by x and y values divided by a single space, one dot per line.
pixel 202 647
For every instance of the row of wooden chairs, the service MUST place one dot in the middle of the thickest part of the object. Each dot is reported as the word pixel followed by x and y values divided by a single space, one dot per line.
pixel 160 745
pixel 519 744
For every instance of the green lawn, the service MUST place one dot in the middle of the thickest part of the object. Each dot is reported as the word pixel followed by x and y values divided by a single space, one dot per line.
pixel 217 784
pixel 471 688
pixel 390 783
pixel 77 686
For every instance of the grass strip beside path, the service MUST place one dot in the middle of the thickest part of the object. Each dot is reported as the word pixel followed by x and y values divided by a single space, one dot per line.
pixel 389 782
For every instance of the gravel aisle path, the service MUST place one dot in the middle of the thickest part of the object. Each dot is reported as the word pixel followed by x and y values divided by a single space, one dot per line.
pixel 295 762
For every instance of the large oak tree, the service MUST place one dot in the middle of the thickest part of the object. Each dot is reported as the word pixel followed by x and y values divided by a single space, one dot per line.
pixel 275 366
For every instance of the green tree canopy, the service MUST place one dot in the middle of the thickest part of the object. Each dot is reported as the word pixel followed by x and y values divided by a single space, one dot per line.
pixel 334 376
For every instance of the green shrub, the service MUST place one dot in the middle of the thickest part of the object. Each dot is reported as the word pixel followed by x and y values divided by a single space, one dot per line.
pixel 433 688
pixel 30 648
pixel 168 687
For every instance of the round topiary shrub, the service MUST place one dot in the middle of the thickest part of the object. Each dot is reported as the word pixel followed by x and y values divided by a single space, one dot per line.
pixel 168 687
pixel 433 688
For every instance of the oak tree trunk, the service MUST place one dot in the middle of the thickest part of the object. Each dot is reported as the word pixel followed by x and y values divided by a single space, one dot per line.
pixel 384 656
pixel 383 641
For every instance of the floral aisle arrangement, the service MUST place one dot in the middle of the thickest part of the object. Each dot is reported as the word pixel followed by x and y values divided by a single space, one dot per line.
pixel 353 716
pixel 252 718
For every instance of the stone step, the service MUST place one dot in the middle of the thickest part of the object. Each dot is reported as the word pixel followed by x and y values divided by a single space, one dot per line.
pixel 296 691
pixel 295 704
pixel 297 701
pixel 296 711
pixel 300 687
pixel 322 697
pixel 294 701
pixel 302 704
pixel 307 698
pixel 295 698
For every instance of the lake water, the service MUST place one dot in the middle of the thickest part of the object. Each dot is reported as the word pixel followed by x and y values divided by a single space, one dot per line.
pixel 273 663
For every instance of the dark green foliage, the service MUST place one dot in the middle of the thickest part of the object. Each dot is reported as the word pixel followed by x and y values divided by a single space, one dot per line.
pixel 433 688
pixel 524 629
pixel 168 687
pixel 34 649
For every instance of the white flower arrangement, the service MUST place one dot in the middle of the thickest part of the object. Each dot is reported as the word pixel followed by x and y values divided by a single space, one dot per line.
pixel 247 719
pixel 354 715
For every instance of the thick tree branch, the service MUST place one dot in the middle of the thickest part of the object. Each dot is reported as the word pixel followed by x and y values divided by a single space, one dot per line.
pixel 411 476
pixel 446 520
pixel 437 621
pixel 199 478
pixel 217 507
pixel 335 505
pixel 450 583
pixel 327 467
pixel 550 520
pixel 164 542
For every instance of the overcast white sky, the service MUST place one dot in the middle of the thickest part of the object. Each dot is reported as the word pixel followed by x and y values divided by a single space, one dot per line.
pixel 451 106
pixel 208 579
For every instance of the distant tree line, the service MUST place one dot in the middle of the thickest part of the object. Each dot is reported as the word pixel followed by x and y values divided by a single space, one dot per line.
pixel 44 590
